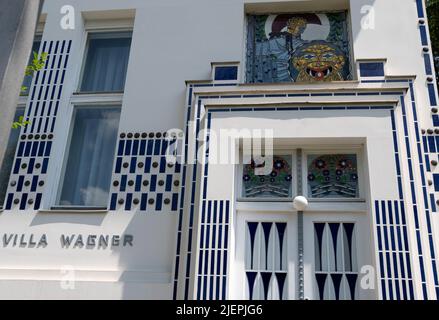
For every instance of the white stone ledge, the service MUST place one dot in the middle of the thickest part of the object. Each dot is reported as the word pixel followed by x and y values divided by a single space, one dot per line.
pixel 315 207
pixel 81 275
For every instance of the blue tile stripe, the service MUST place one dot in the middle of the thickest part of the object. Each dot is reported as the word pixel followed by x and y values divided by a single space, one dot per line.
pixel 393 249
pixel 428 57
pixel 212 251
pixel 432 94
pixel 178 255
pixel 412 183
pixel 392 235
pixel 418 230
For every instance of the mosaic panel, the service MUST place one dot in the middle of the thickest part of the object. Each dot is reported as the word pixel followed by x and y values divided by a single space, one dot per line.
pixel 276 184
pixel 305 47
pixel 333 176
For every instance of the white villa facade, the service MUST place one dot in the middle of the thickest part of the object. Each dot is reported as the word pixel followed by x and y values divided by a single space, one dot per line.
pixel 341 91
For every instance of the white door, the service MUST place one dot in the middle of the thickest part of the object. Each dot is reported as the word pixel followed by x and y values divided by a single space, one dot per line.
pixel 335 247
pixel 266 256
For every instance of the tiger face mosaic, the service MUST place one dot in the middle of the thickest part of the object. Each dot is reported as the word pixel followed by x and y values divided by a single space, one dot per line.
pixel 318 61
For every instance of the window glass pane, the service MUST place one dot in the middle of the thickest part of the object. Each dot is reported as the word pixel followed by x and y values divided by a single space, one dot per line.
pixel 333 176
pixel 277 184
pixel 8 159
pixel 106 63
pixel 28 79
pixel 305 47
pixel 90 158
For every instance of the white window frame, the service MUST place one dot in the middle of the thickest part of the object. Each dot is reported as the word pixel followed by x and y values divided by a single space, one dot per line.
pixel 78 98
pixel 56 204
pixel 98 99
pixel 85 46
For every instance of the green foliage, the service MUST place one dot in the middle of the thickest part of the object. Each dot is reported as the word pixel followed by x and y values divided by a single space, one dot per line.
pixel 20 123
pixel 36 65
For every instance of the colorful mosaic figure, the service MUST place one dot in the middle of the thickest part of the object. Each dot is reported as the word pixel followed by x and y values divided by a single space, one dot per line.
pixel 319 61
pixel 275 185
pixel 305 47
pixel 333 176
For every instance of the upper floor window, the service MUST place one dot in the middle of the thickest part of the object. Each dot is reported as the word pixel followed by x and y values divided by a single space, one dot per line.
pixel 106 62
pixel 90 157
pixel 305 47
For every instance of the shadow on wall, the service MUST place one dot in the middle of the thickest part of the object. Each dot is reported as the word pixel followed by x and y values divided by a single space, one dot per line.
pixel 148 263
pixel 47 219
pixel 137 267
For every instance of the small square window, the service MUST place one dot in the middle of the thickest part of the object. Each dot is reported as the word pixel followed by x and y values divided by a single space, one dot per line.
pixel 332 176
pixel 106 62
pixel 276 184
pixel 90 157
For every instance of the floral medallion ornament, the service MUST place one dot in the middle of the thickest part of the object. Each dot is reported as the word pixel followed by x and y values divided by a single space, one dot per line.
pixel 277 184
pixel 333 176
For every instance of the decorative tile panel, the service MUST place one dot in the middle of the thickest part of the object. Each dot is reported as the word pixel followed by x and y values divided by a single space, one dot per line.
pixel 27 181
pixel 213 250
pixel 393 250
pixel 143 179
